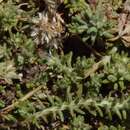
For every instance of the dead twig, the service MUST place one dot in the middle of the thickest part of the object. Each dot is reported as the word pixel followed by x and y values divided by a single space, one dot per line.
pixel 13 105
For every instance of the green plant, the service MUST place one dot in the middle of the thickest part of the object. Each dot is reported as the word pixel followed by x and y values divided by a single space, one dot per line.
pixel 43 88
pixel 91 22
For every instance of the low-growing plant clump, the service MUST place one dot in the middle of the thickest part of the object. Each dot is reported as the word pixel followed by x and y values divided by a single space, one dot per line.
pixel 64 64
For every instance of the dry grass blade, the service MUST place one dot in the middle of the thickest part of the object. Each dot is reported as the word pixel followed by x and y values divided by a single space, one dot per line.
pixel 93 69
pixel 13 105
pixel 96 66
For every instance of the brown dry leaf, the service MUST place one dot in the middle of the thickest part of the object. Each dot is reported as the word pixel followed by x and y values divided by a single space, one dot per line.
pixel 121 23
pixel 126 40
pixel 125 37
pixel 124 24
pixel 123 20
pixel 126 30
pixel 127 5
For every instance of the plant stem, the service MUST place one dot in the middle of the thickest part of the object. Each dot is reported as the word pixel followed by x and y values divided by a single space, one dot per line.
pixel 13 105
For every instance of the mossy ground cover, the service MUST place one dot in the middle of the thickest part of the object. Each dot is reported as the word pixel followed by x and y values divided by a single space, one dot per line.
pixel 64 64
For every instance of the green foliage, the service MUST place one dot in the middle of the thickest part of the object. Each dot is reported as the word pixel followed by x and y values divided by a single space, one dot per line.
pixel 91 22
pixel 43 88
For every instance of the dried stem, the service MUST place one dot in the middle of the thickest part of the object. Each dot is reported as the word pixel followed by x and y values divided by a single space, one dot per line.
pixel 96 66
pixel 13 105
